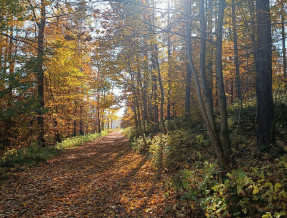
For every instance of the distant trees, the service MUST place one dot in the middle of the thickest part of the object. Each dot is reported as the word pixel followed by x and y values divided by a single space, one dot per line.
pixel 186 58
pixel 175 62
pixel 49 86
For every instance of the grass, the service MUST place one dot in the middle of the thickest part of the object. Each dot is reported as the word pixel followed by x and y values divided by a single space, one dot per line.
pixel 18 159
pixel 79 140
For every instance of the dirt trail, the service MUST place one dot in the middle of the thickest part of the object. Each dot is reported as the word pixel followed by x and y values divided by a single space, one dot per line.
pixel 102 178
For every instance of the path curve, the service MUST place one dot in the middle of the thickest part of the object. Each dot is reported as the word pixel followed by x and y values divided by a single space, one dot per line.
pixel 99 179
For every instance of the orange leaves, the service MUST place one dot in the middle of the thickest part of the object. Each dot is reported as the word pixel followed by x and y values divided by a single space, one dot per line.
pixel 103 178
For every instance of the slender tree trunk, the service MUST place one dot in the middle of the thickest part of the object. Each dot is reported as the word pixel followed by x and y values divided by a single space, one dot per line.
pixel 40 74
pixel 205 87
pixel 231 91
pixel 75 119
pixel 187 3
pixel 11 65
pixel 155 106
pixel 103 120
pixel 265 113
pixel 160 87
pixel 220 83
pixel 81 121
pixel 154 66
pixel 212 134
pixel 283 38
pixel 140 94
pixel 236 57
pixel 58 136
pixel 99 120
pixel 210 47
pixel 168 62
pixel 187 90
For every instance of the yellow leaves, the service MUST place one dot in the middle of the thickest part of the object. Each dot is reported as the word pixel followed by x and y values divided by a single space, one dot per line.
pixel 267 215
pixel 46 2
pixel 97 43
pixel 277 187
pixel 255 190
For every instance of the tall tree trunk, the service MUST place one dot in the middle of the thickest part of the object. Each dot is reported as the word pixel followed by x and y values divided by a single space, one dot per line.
pixel 58 136
pixel 187 4
pixel 265 113
pixel 283 38
pixel 168 61
pixel 40 74
pixel 81 121
pixel 187 90
pixel 160 87
pixel 212 134
pixel 154 66
pixel 205 87
pixel 140 94
pixel 99 120
pixel 103 120
pixel 220 83
pixel 236 58
pixel 145 104
pixel 75 119
pixel 11 66
pixel 210 47
pixel 155 106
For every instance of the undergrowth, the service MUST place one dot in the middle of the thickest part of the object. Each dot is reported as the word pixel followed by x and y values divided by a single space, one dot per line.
pixel 17 159
pixel 256 188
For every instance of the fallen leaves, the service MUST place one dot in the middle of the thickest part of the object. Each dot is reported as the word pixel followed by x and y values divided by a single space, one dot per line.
pixel 103 178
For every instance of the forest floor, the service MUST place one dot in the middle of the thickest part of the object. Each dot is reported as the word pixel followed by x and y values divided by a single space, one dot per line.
pixel 101 178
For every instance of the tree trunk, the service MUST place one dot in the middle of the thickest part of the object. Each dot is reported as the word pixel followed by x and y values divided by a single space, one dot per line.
pixel 187 90
pixel 81 121
pixel 98 120
pixel 212 134
pixel 220 83
pixel 205 87
pixel 11 65
pixel 160 87
pixel 265 113
pixel 40 75
pixel 168 62
pixel 236 57
pixel 283 38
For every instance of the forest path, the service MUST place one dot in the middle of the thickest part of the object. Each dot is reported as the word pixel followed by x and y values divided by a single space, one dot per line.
pixel 101 178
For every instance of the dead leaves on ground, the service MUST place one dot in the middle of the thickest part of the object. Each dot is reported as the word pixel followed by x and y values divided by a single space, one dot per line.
pixel 103 178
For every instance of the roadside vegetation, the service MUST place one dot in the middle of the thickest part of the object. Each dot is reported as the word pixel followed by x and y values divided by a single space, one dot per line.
pixel 255 187
pixel 18 159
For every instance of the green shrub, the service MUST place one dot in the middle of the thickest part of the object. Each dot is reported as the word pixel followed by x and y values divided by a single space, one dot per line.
pixel 79 140
pixel 141 144
pixel 177 150
pixel 251 192
pixel 27 156
pixel 18 158
pixel 158 149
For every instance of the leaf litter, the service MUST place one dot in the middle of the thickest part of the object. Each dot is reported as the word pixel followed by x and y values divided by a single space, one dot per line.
pixel 101 178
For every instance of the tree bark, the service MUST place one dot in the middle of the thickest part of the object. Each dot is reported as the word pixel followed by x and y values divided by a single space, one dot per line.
pixel 40 75
pixel 187 90
pixel 212 134
pixel 283 38
pixel 8 123
pixel 236 57
pixel 168 62
pixel 220 83
pixel 265 113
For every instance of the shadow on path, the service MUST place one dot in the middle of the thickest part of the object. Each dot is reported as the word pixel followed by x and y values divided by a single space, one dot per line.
pixel 102 178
